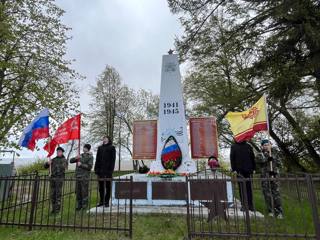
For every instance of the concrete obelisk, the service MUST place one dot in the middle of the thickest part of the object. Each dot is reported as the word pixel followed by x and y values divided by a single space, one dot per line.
pixel 172 121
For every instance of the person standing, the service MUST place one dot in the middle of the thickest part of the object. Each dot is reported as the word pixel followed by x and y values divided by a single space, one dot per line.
pixel 269 168
pixel 58 167
pixel 84 164
pixel 243 163
pixel 104 167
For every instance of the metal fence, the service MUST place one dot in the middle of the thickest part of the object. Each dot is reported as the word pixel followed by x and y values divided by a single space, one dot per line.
pixel 214 208
pixel 26 202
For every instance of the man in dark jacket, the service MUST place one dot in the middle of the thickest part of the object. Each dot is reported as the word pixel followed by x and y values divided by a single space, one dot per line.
pixel 104 166
pixel 243 163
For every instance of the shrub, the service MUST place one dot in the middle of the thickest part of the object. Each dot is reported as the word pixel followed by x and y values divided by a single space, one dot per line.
pixel 32 167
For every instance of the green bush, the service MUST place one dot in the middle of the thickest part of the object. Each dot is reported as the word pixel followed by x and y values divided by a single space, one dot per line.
pixel 36 166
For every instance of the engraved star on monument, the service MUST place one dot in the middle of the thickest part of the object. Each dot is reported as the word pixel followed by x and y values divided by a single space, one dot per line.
pixel 215 209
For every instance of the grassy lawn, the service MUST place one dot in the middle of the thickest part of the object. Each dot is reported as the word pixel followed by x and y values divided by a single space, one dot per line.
pixel 162 227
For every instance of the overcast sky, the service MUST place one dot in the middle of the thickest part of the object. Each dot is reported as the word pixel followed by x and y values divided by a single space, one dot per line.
pixel 130 35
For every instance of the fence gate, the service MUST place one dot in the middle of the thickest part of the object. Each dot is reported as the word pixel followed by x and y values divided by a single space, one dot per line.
pixel 214 208
pixel 29 204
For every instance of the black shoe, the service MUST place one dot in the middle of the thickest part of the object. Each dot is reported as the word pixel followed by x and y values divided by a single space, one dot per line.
pixel 252 209
pixel 99 204
pixel 106 205
pixel 78 208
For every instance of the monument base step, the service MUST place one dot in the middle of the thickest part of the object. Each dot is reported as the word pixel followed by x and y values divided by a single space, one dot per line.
pixel 176 210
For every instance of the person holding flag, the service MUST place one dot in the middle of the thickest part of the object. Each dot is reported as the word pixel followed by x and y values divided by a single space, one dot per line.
pixel 269 168
pixel 69 130
pixel 58 166
pixel 84 164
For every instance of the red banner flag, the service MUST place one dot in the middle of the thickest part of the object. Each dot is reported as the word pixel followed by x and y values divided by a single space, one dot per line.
pixel 69 130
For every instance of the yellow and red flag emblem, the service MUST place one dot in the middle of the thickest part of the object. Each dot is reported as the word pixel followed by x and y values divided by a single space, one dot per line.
pixel 245 124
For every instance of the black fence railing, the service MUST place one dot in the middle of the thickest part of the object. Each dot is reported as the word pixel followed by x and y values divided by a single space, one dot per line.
pixel 215 209
pixel 27 201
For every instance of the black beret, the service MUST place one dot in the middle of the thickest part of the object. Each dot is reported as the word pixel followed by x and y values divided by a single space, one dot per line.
pixel 87 146
pixel 60 148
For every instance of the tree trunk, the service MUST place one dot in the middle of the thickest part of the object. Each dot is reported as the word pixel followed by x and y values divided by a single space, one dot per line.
pixel 293 162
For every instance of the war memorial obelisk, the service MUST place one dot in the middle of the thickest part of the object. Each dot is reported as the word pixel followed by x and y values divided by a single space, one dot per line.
pixel 172 125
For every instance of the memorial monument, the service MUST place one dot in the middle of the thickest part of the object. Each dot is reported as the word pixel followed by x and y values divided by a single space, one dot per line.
pixel 172 138
pixel 165 141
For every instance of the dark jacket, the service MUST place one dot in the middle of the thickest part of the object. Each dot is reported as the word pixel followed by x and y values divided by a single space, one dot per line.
pixel 242 158
pixel 105 160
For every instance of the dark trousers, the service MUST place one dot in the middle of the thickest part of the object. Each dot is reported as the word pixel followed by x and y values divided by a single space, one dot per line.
pixel 104 190
pixel 82 192
pixel 56 185
pixel 245 189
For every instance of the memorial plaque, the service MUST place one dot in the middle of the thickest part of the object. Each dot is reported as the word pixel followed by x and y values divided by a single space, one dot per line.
pixel 208 190
pixel 204 137
pixel 169 191
pixel 139 190
pixel 144 139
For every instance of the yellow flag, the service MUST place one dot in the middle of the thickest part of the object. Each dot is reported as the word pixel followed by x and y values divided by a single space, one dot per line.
pixel 245 124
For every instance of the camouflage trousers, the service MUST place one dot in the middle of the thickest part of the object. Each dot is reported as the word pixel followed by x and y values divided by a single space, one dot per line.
pixel 56 185
pixel 270 189
pixel 82 192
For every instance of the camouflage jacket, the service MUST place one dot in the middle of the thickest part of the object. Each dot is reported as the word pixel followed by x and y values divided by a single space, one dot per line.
pixel 58 166
pixel 264 163
pixel 86 160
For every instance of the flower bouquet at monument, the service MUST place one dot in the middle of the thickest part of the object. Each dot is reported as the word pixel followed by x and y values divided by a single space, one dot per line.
pixel 168 173
pixel 153 174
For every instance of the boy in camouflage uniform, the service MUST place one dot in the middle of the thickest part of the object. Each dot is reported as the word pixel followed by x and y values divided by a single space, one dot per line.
pixel 84 164
pixel 58 167
pixel 269 167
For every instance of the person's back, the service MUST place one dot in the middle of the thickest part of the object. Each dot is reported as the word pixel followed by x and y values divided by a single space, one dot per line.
pixel 242 162
pixel 242 158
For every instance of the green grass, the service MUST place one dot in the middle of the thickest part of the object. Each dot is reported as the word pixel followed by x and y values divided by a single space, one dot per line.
pixel 162 227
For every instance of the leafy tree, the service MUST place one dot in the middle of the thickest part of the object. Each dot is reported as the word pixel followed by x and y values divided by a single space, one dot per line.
pixel 114 108
pixel 237 53
pixel 106 95
pixel 33 71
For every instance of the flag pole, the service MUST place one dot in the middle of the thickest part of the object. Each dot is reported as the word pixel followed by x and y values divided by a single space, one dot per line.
pixel 49 143
pixel 268 126
pixel 79 144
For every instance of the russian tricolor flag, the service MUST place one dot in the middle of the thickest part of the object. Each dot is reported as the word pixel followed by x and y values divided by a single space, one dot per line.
pixel 37 129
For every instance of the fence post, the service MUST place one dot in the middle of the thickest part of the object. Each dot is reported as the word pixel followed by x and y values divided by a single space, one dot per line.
pixel 34 198
pixel 131 199
pixel 188 197
pixel 246 204
pixel 313 202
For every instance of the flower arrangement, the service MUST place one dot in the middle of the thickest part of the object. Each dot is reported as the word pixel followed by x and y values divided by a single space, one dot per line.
pixel 166 173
